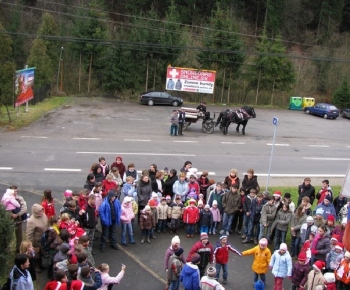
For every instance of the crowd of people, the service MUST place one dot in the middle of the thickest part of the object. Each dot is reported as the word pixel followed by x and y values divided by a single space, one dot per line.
pixel 160 201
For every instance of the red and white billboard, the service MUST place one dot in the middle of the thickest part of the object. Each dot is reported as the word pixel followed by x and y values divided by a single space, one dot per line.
pixel 24 86
pixel 190 80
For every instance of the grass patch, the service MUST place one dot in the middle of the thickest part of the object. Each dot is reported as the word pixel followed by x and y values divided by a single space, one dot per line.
pixel 24 118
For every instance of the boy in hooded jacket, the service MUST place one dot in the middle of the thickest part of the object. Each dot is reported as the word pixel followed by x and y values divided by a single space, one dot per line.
pixel 189 276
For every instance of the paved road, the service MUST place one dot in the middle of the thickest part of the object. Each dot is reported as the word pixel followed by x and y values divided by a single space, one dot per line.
pixel 57 151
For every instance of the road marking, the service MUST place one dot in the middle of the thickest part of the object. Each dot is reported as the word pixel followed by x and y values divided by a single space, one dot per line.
pixel 137 140
pixel 135 119
pixel 327 158
pixel 281 144
pixel 77 138
pixel 233 143
pixel 141 153
pixel 300 175
pixel 185 141
pixel 6 168
pixel 324 146
pixel 63 169
pixel 36 137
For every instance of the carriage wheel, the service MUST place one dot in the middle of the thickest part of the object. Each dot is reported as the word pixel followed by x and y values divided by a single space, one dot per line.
pixel 208 126
pixel 186 124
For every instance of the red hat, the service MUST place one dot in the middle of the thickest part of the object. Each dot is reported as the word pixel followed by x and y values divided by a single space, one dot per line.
pixel 204 236
pixel 330 218
pixel 339 246
pixel 336 237
pixel 277 193
pixel 302 256
pixel 119 157
pixel 152 202
pixel 319 265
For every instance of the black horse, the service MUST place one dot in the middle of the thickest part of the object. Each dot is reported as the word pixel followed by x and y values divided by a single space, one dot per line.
pixel 240 117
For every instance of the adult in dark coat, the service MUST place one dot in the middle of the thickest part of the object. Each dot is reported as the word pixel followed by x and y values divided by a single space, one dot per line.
pixel 306 189
pixel 144 191
pixel 250 181
pixel 182 117
pixel 168 184
pixel 120 165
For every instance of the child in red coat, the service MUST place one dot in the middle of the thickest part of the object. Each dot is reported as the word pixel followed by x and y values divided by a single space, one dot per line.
pixel 47 203
pixel 190 218
pixel 330 281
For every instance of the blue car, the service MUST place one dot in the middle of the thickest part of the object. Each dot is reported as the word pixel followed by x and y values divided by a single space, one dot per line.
pixel 324 110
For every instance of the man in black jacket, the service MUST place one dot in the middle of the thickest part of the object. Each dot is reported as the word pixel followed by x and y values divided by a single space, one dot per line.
pixel 182 117
pixel 306 189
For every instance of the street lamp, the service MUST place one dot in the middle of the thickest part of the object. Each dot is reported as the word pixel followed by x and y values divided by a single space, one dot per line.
pixel 59 66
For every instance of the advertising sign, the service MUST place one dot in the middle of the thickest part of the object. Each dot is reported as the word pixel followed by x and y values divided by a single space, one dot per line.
pixel 190 80
pixel 24 86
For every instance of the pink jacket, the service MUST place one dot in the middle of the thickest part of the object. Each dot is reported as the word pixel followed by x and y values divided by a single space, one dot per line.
pixel 127 213
pixel 216 214
pixel 106 280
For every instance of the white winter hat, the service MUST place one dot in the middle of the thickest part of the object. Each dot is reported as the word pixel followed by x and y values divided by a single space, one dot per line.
pixel 175 240
pixel 154 194
pixel 215 202
pixel 344 221
pixel 128 199
pixel 283 246
pixel 330 277
pixel 309 219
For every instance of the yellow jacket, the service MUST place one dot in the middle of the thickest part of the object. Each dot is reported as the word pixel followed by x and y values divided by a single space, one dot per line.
pixel 135 207
pixel 262 259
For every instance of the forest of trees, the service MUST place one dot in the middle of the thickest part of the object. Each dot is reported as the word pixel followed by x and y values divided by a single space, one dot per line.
pixel 264 51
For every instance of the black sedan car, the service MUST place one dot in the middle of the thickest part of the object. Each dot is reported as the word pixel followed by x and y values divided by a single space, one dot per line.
pixel 159 98
pixel 324 110
pixel 345 113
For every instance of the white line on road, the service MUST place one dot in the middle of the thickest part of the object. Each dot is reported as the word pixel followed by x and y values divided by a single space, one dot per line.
pixel 301 175
pixel 62 169
pixel 185 141
pixel 281 144
pixel 137 140
pixel 327 158
pixel 36 137
pixel 233 143
pixel 323 146
pixel 140 153
pixel 6 168
pixel 77 138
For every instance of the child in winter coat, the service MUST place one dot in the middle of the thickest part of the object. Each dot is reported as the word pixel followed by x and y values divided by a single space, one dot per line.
pixel 189 276
pixel 126 216
pixel 11 204
pixel 162 212
pixel 262 258
pixel 174 269
pixel 153 204
pixel 193 185
pixel 216 218
pixel 281 266
pixel 205 219
pixel 48 204
pixel 129 188
pixel 203 182
pixel 315 276
pixel 108 280
pixel 175 211
pixel 342 273
pixel 334 257
pixel 300 271
pixel 190 218
pixel 330 281
pixel 97 191
pixel 147 221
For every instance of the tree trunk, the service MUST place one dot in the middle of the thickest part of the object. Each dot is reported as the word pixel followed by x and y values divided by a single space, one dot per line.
pixel 256 18
pixel 89 81
pixel 79 82
pixel 273 91
pixel 8 113
pixel 154 77
pixel 257 89
pixel 147 74
pixel 223 85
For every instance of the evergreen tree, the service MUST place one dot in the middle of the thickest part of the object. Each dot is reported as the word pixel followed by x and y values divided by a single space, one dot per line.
pixel 341 96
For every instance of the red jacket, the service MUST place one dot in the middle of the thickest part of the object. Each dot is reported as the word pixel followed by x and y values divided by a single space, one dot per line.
pixel 205 251
pixel 49 208
pixel 194 186
pixel 331 286
pixel 107 186
pixel 82 201
pixel 221 253
pixel 190 215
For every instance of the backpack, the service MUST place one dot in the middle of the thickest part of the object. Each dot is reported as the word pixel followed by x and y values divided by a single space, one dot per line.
pixel 7 284
pixel 45 245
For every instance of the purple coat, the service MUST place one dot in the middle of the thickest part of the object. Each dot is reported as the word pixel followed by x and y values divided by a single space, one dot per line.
pixel 299 274
pixel 167 256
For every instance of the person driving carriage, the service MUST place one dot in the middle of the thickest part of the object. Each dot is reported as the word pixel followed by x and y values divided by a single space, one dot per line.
pixel 202 111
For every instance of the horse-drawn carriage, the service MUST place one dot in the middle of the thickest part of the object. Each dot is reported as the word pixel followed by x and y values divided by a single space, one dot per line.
pixel 192 115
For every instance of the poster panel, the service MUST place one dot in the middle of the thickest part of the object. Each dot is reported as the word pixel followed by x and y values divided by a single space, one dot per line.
pixel 24 86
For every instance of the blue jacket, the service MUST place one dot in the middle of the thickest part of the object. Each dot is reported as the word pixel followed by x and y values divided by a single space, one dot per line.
pixel 281 264
pixel 21 280
pixel 105 212
pixel 129 190
pixel 190 277
pixel 325 210
pixel 181 188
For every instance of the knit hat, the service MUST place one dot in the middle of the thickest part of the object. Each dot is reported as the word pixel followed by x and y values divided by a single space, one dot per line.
pixel 168 197
pixel 223 237
pixel 309 219
pixel 201 195
pixel 347 254
pixel 283 246
pixel 200 202
pixel 266 193
pixel 335 237
pixel 259 285
pixel 192 201
pixel 128 199
pixel 263 242
pixel 152 202
pixel 179 252
pixel 166 169
pixel 68 193
pixel 64 248
pixel 313 232
pixel 195 259
pixel 339 246
pixel 175 240
pixel 330 277
pixel 330 218
pixel 302 256
pixel 207 206
pixel 344 221
pixel 211 271
pixel 204 236
pixel 319 265
pixel 215 202
pixel 120 158
pixel 192 195
pixel 328 197
pixel 147 207
pixel 154 194
pixel 319 211
pixel 277 193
